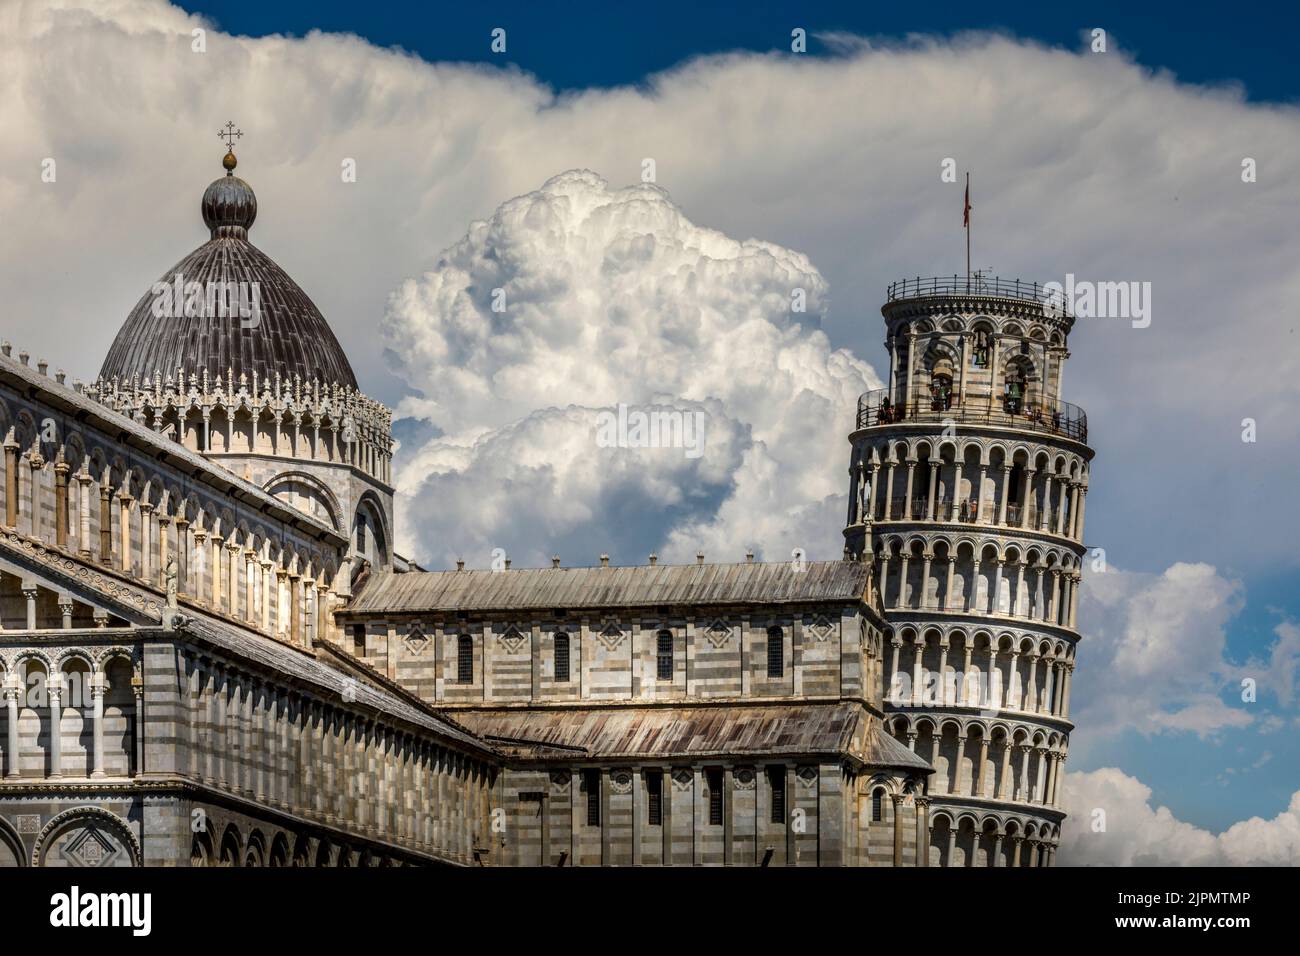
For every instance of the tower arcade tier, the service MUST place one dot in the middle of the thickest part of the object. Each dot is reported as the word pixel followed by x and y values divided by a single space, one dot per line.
pixel 968 481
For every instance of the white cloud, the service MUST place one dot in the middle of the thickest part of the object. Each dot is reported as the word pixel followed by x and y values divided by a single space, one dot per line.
pixel 1153 658
pixel 1137 834
pixel 1082 163
pixel 581 293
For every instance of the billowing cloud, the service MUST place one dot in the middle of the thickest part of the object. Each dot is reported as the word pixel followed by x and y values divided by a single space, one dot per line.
pixel 1153 658
pixel 1111 823
pixel 1083 163
pixel 578 292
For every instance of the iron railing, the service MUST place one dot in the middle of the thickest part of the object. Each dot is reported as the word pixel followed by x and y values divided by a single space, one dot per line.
pixel 1054 418
pixel 922 287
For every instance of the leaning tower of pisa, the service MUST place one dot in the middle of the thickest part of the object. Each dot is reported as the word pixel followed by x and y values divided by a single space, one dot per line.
pixel 969 476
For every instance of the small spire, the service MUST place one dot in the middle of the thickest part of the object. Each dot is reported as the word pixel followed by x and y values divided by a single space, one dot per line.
pixel 229 134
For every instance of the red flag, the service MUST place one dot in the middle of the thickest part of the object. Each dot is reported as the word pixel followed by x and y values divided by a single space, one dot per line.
pixel 965 213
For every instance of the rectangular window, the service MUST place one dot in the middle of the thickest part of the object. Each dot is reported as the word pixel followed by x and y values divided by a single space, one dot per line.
pixel 665 655
pixel 775 652
pixel 562 658
pixel 359 640
pixel 776 783
pixel 465 660
pixel 592 778
pixel 715 797
pixel 654 788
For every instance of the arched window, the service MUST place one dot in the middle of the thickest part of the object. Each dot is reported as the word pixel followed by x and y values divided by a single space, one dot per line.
pixel 877 805
pixel 562 658
pixel 775 652
pixel 465 659
pixel 665 655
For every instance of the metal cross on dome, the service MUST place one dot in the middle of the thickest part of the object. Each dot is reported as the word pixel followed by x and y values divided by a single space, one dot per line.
pixel 229 134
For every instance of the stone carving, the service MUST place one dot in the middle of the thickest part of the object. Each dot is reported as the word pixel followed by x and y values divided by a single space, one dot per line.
pixel 512 639
pixel 416 640
pixel 718 633
pixel 611 636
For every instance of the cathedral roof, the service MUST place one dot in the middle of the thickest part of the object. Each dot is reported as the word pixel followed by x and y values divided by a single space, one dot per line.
pixel 602 587
pixel 280 331
pixel 695 731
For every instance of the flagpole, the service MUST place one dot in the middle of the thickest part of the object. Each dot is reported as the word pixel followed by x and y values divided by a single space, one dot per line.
pixel 967 217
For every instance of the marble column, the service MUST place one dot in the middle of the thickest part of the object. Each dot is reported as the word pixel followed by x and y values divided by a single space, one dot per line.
pixel 97 689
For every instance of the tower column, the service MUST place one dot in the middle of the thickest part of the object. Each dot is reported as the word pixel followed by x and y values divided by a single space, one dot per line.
pixel 947 596
pixel 911 371
pixel 918 653
pixel 1004 779
pixel 1027 498
pixel 1031 694
pixel 955 503
pixel 927 558
pixel 896 644
pixel 907 499
pixel 995 605
pixel 943 673
pixel 1013 678
pixel 1002 497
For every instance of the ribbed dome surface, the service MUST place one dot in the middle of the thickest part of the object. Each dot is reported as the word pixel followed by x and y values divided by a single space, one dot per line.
pixel 289 335
pixel 229 207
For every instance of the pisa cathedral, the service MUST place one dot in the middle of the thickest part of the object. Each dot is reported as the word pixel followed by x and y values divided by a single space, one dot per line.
pixel 211 655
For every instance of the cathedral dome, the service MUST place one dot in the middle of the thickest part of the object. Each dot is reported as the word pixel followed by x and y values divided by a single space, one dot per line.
pixel 227 308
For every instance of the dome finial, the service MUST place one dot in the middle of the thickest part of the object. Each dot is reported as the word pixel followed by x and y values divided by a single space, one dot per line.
pixel 229 134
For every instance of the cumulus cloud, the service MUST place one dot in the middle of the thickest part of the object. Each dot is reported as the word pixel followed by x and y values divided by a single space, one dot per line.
pixel 1111 823
pixel 579 292
pixel 1114 173
pixel 1154 655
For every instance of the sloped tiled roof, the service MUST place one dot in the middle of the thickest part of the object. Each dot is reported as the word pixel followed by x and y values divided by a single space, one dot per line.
pixel 685 731
pixel 643 586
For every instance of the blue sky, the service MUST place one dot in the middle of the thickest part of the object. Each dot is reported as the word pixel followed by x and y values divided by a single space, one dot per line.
pixel 581 44
pixel 1102 166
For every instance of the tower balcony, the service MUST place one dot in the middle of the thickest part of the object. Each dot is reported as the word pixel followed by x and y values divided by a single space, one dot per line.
pixel 878 407
pixel 959 286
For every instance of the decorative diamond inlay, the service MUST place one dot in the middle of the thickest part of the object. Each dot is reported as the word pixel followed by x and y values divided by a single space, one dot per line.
pixel 611 636
pixel 822 628
pixel 718 633
pixel 90 848
pixel 512 639
pixel 416 639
